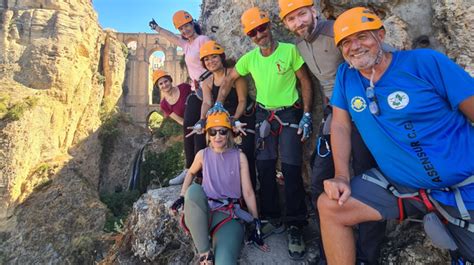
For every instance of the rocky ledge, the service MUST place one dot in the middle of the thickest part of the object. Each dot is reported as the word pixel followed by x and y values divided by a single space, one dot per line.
pixel 153 236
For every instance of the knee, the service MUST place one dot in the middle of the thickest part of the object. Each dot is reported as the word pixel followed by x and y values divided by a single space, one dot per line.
pixel 195 193
pixel 328 209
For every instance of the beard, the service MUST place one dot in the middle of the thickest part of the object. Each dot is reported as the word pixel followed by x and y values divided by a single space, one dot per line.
pixel 266 44
pixel 308 29
pixel 366 61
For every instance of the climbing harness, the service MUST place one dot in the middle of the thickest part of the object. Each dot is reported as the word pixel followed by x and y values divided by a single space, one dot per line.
pixel 272 116
pixel 423 195
pixel 231 207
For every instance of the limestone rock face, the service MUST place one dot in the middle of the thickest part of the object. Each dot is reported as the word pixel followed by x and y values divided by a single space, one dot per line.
pixel 454 21
pixel 59 72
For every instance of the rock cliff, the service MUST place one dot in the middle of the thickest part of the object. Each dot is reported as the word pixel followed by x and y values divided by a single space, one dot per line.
pixel 59 74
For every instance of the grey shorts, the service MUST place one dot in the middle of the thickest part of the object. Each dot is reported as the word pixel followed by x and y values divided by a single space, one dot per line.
pixel 386 204
pixel 285 142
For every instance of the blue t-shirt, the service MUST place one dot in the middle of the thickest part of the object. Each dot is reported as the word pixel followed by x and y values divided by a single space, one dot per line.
pixel 420 139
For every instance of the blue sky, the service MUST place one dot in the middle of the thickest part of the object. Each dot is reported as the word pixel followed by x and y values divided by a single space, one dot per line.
pixel 134 15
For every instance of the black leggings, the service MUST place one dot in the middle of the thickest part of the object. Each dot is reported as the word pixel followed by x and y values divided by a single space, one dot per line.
pixel 248 145
pixel 196 142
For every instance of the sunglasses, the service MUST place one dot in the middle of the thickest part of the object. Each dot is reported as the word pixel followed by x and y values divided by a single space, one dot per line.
pixel 373 106
pixel 260 29
pixel 213 132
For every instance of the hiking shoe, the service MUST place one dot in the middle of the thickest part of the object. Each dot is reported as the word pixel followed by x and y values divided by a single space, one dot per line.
pixel 179 179
pixel 296 246
pixel 270 228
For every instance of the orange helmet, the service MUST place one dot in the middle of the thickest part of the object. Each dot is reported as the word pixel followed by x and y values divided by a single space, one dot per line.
pixel 157 74
pixel 288 6
pixel 180 18
pixel 355 20
pixel 210 47
pixel 218 119
pixel 253 18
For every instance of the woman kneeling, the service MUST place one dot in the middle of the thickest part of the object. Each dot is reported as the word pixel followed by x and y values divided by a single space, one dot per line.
pixel 212 210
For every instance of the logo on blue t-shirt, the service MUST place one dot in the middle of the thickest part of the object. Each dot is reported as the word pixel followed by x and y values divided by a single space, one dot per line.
pixel 398 100
pixel 358 104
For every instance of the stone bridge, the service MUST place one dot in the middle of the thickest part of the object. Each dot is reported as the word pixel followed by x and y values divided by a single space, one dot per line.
pixel 137 88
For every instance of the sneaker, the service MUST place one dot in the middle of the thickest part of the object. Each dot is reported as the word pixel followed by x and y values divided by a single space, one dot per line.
pixel 270 228
pixel 296 246
pixel 179 179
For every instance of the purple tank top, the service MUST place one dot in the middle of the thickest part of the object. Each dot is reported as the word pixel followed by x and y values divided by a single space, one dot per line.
pixel 221 174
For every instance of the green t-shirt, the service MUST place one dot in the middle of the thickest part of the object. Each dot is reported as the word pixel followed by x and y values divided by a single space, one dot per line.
pixel 274 76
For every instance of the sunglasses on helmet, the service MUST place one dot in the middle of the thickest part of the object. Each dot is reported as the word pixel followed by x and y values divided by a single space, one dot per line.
pixel 260 29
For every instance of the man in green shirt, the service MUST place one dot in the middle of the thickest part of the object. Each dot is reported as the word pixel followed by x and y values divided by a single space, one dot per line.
pixel 282 125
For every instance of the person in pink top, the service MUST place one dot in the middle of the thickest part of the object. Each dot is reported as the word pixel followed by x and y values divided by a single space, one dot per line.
pixel 190 41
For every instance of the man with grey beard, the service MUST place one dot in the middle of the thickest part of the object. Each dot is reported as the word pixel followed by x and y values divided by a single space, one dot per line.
pixel 414 110
pixel 316 46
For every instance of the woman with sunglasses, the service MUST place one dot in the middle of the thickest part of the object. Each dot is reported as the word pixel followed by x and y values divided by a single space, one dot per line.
pixel 212 210
pixel 190 40
pixel 239 105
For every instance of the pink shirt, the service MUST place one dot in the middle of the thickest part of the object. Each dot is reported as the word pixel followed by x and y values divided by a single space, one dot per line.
pixel 191 55
pixel 178 107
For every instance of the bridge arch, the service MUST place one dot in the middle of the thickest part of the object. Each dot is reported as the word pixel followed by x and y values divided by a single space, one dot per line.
pixel 138 79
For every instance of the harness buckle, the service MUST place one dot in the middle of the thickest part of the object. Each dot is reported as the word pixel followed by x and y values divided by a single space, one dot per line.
pixel 463 224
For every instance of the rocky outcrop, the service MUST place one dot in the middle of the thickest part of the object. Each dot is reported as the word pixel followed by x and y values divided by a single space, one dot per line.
pixel 153 236
pixel 59 74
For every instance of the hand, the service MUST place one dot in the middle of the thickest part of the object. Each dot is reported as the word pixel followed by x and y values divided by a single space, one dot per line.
pixel 338 189
pixel 238 127
pixel 256 237
pixel 218 107
pixel 305 126
pixel 197 128
pixel 179 203
pixel 153 25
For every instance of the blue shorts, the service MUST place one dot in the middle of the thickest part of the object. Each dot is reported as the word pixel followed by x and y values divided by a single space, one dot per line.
pixel 386 204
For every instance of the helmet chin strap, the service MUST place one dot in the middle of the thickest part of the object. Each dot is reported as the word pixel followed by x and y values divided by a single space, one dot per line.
pixel 378 59
pixel 380 52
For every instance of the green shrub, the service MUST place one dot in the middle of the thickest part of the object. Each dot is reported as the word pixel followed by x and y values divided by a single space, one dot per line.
pixel 16 111
pixel 100 79
pixel 169 128
pixel 124 49
pixel 155 121
pixel 120 205
pixel 159 168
